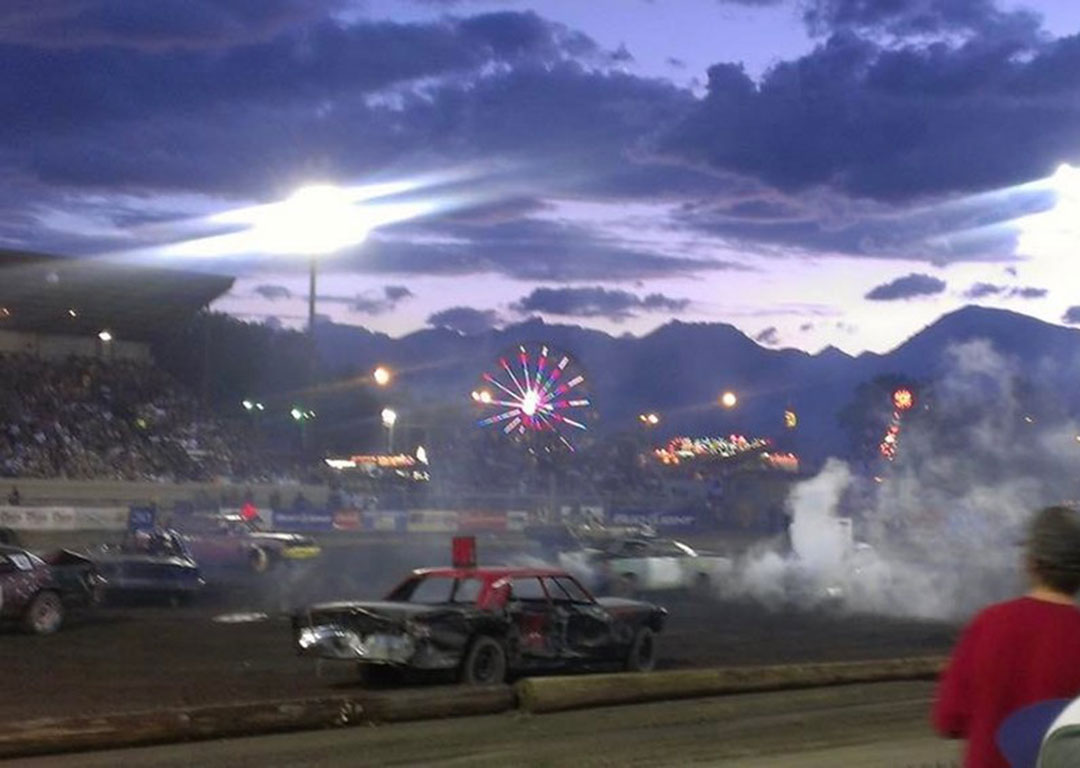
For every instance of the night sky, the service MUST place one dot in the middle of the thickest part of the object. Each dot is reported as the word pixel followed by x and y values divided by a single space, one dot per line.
pixel 812 171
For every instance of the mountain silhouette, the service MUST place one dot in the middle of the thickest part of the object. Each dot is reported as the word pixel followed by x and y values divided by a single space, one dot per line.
pixel 680 369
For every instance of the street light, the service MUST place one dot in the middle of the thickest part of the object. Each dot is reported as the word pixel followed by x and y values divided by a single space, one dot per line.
pixel 389 419
pixel 382 376
pixel 649 419
pixel 729 399
pixel 105 336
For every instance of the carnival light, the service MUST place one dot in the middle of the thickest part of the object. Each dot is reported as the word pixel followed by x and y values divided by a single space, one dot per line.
pixel 903 399
pixel 381 376
pixel 537 392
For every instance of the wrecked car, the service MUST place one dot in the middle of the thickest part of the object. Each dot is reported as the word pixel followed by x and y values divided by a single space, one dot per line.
pixel 627 566
pixel 224 543
pixel 485 624
pixel 37 592
pixel 151 564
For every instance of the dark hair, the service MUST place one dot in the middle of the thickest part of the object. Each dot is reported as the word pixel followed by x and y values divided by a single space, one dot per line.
pixel 1053 548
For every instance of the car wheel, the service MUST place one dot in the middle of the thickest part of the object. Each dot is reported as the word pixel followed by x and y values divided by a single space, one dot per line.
pixel 485 663
pixel 258 560
pixel 45 614
pixel 625 585
pixel 642 654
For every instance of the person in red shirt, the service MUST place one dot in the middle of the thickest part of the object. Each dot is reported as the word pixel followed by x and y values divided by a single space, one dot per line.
pixel 1019 652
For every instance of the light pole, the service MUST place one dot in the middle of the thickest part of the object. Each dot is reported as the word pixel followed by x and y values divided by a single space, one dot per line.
pixel 389 419
pixel 302 417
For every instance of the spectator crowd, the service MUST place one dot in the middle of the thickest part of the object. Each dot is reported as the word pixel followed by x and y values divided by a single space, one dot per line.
pixel 84 418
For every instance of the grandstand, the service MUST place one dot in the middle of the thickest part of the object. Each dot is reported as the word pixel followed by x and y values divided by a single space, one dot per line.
pixel 80 396
pixel 53 306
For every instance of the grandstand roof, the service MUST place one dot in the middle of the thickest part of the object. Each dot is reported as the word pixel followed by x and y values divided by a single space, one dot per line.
pixel 58 295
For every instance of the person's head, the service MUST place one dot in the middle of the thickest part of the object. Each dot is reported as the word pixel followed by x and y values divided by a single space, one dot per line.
pixel 1053 549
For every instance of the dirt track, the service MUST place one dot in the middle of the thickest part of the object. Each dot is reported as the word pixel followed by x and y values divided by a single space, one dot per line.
pixel 857 726
pixel 124 659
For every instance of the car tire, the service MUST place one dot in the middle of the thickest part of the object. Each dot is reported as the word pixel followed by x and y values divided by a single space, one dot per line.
pixel 642 654
pixel 45 614
pixel 258 560
pixel 485 663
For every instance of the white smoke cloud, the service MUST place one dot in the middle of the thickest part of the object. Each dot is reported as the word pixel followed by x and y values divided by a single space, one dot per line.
pixel 939 537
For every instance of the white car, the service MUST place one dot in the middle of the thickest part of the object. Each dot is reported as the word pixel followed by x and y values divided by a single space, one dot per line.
pixel 631 565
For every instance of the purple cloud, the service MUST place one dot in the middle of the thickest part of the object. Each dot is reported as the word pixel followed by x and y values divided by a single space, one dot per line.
pixel 616 305
pixel 908 287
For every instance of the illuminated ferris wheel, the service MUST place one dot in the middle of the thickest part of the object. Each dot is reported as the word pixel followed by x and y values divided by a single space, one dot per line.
pixel 535 389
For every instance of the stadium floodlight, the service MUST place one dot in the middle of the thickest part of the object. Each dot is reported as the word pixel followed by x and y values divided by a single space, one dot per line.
pixel 389 419
pixel 296 413
pixel 1066 181
pixel 382 376
pixel 105 336
pixel 248 405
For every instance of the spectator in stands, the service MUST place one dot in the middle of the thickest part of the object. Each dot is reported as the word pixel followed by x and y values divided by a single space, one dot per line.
pixel 88 418
pixel 1019 652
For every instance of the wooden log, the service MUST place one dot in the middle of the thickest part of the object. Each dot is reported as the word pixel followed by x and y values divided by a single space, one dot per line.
pixel 552 694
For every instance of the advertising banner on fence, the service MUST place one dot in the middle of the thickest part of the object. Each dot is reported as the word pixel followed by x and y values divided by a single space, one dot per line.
pixel 672 520
pixel 348 520
pixel 63 518
pixel 385 520
pixel 475 521
pixel 432 521
pixel 308 520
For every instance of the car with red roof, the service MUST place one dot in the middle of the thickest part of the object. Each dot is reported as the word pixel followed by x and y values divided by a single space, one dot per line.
pixel 484 623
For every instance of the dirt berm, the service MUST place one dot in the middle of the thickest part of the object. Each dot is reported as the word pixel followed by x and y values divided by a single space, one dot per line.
pixel 53 735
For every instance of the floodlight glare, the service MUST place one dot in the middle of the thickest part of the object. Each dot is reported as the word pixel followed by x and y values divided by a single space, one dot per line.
pixel 318 220
pixel 389 417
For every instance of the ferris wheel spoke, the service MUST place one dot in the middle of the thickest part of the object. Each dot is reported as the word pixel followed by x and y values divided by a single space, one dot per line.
pixel 500 417
pixel 512 425
pixel 513 378
pixel 492 380
pixel 571 422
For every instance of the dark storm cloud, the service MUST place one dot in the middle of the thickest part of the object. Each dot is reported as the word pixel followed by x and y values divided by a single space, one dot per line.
pixel 893 123
pixel 918 17
pixel 596 301
pixel 907 287
pixel 294 78
pixel 525 249
pixel 273 292
pixel 983 290
pixel 381 303
pixel 156 24
pixel 770 336
pixel 1071 316
pixel 466 320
